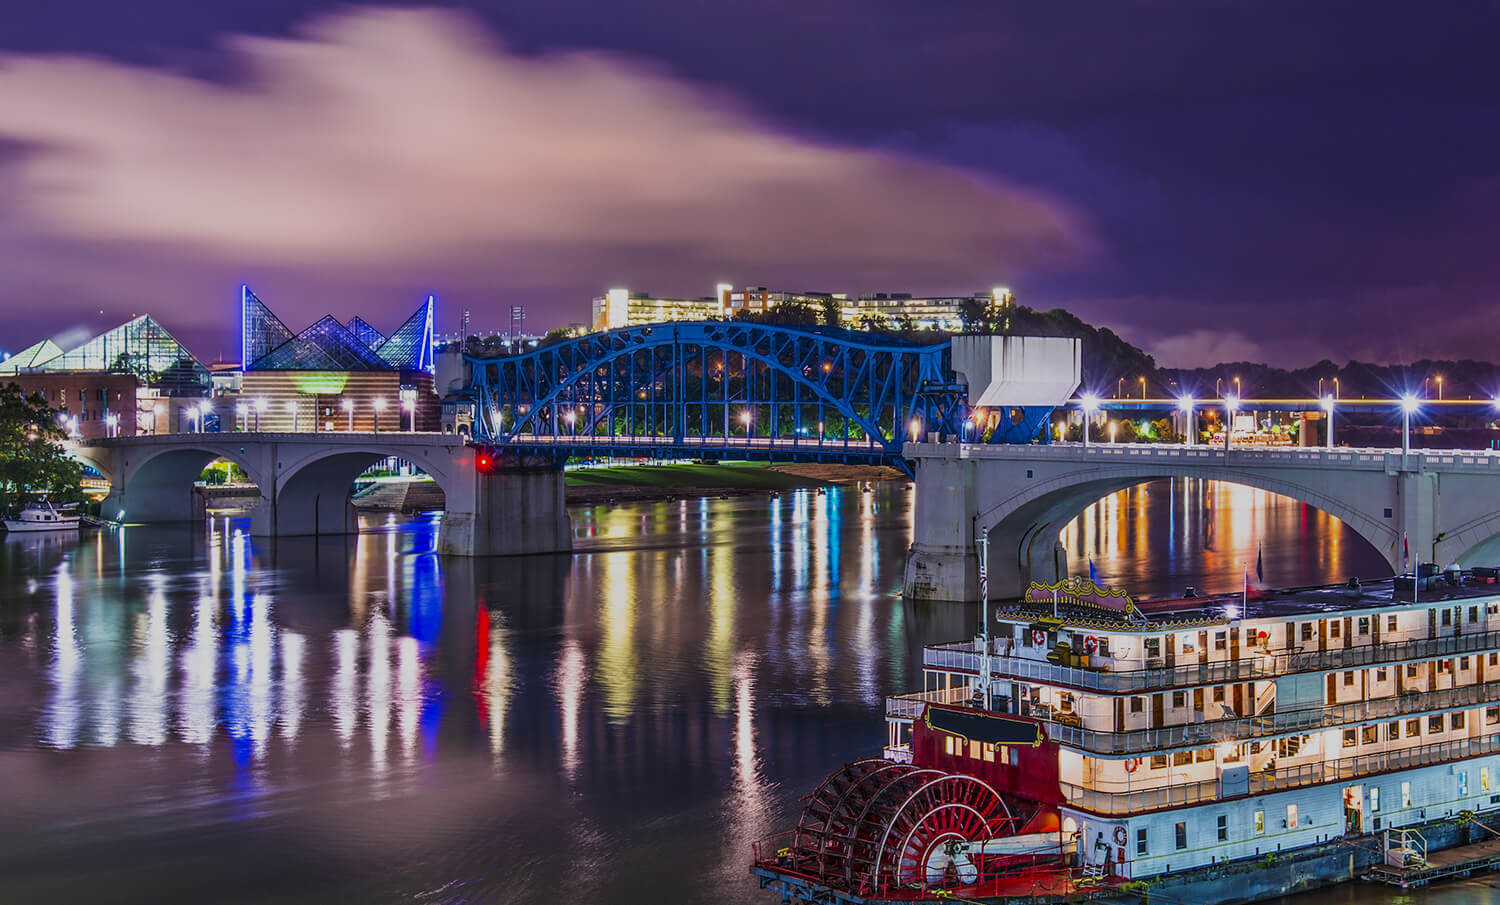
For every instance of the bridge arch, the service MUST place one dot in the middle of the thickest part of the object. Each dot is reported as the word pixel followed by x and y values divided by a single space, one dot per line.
pixel 155 481
pixel 1024 524
pixel 314 484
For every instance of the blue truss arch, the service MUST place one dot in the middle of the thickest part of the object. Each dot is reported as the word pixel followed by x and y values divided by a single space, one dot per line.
pixel 719 389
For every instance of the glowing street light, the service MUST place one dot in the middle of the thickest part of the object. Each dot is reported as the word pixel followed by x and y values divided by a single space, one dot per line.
pixel 157 411
pixel 411 414
pixel 1231 405
pixel 915 428
pixel 1112 426
pixel 1409 404
pixel 378 404
pixel 110 421
pixel 348 406
pixel 242 412
pixel 745 419
pixel 1440 387
pixel 203 409
pixel 1143 386
pixel 1090 406
pixel 1185 405
pixel 1327 405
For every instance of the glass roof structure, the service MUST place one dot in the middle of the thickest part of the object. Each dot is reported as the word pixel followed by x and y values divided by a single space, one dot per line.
pixel 141 347
pixel 268 345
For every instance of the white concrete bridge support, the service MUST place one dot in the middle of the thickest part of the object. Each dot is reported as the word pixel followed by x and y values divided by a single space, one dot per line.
pixel 512 506
pixel 1443 505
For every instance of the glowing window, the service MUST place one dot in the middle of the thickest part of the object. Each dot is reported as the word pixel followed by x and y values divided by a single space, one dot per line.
pixel 1291 817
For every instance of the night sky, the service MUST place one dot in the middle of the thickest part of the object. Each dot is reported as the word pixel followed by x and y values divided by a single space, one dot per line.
pixel 1216 181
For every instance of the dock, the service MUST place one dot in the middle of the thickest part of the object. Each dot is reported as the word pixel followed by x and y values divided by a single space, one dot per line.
pixel 1459 861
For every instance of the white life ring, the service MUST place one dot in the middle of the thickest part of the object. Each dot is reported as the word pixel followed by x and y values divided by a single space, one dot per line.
pixel 1038 637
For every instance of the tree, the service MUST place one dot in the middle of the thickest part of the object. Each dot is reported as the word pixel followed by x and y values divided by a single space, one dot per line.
pixel 32 461
pixel 832 311
pixel 974 314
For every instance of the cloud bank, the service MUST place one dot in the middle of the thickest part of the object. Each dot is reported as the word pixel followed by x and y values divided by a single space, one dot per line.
pixel 391 148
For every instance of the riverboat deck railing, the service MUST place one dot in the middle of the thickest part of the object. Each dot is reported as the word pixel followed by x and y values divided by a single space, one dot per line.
pixel 963 656
pixel 1161 739
pixel 1284 779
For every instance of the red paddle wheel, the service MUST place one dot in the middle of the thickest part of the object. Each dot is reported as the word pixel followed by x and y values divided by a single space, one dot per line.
pixel 875 825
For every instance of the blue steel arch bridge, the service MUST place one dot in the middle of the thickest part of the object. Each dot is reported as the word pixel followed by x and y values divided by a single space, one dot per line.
pixel 727 390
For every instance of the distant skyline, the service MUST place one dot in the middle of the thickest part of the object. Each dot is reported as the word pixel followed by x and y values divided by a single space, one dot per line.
pixel 1276 181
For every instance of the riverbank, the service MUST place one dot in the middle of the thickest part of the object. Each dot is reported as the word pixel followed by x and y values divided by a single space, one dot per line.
pixel 675 481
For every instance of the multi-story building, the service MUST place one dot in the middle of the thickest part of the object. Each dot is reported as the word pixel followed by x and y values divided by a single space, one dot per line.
pixel 1201 730
pixel 622 308
pixel 333 376
pixel 134 379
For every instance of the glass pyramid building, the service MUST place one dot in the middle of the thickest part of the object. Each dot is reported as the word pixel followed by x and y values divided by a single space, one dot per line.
pixel 267 344
pixel 141 347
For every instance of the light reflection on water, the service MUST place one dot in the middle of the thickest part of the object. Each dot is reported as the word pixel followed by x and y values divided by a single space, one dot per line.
pixel 206 716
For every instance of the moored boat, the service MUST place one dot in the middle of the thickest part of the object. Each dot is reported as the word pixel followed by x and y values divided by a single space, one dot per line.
pixel 44 515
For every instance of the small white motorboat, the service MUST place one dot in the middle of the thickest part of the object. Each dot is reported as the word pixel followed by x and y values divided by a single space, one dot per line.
pixel 44 516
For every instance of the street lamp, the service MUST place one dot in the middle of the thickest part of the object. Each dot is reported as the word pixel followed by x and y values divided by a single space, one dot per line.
pixel 411 414
pixel 260 409
pixel 915 428
pixel 1409 404
pixel 572 418
pixel 1440 387
pixel 1231 405
pixel 1119 388
pixel 241 412
pixel 203 409
pixel 348 406
pixel 1112 426
pixel 1143 386
pixel 1237 392
pixel 110 420
pixel 1320 388
pixel 1090 406
pixel 1328 407
pixel 745 420
pixel 1185 405
pixel 291 409
pixel 378 404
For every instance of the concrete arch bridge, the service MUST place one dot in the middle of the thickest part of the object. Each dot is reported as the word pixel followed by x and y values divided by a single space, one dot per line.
pixel 305 480
pixel 1442 505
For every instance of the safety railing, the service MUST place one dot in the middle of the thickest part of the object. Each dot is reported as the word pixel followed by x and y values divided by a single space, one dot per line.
pixel 965 656
pixel 910 706
pixel 1102 801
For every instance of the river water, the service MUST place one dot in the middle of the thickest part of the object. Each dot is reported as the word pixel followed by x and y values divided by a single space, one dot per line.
pixel 191 715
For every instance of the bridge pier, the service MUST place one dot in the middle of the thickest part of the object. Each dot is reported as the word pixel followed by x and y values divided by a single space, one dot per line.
pixel 516 509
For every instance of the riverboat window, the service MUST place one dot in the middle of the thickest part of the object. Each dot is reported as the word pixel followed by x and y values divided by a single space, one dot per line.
pixel 1223 828
pixel 1220 642
pixel 1205 755
pixel 1380 674
pixel 1103 646
pixel 1181 829
pixel 1137 705
pixel 1495 659
pixel 1260 822
pixel 1153 647
pixel 1348 678
pixel 1406 794
pixel 974 746
pixel 949 744
pixel 1473 614
pixel 1463 662
pixel 1390 623
pixel 1334 627
pixel 1140 841
pixel 1434 724
pixel 1369 735
pixel 1364 625
pixel 1374 799
pixel 1182 758
pixel 1447 616
pixel 1463 783
pixel 1179 699
pixel 1484 779
pixel 1411 670
pixel 1158 761
pixel 1349 738
pixel 1307 631
pixel 989 754
pixel 1413 728
pixel 1218 693
pixel 1491 716
pixel 1393 731
pixel 1065 702
pixel 1444 666
pixel 1291 817
pixel 1456 720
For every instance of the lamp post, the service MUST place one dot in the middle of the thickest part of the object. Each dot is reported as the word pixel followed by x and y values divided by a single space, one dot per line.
pixel 1328 407
pixel 572 418
pixel 110 420
pixel 1320 388
pixel 1335 388
pixel 203 409
pixel 1143 386
pixel 157 411
pixel 1112 426
pixel 1185 405
pixel 348 406
pixel 242 413
pixel 1440 387
pixel 411 414
pixel 1119 388
pixel 915 428
pixel 1409 404
pixel 1090 406
pixel 1231 405
pixel 378 404
pixel 1218 388
pixel 745 419
pixel 291 409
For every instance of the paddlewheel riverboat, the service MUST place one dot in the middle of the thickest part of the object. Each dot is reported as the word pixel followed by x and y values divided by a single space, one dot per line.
pixel 1249 744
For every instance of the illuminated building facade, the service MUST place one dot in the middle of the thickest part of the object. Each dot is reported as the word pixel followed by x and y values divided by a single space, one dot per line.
pixel 334 376
pixel 619 308
pixel 132 380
